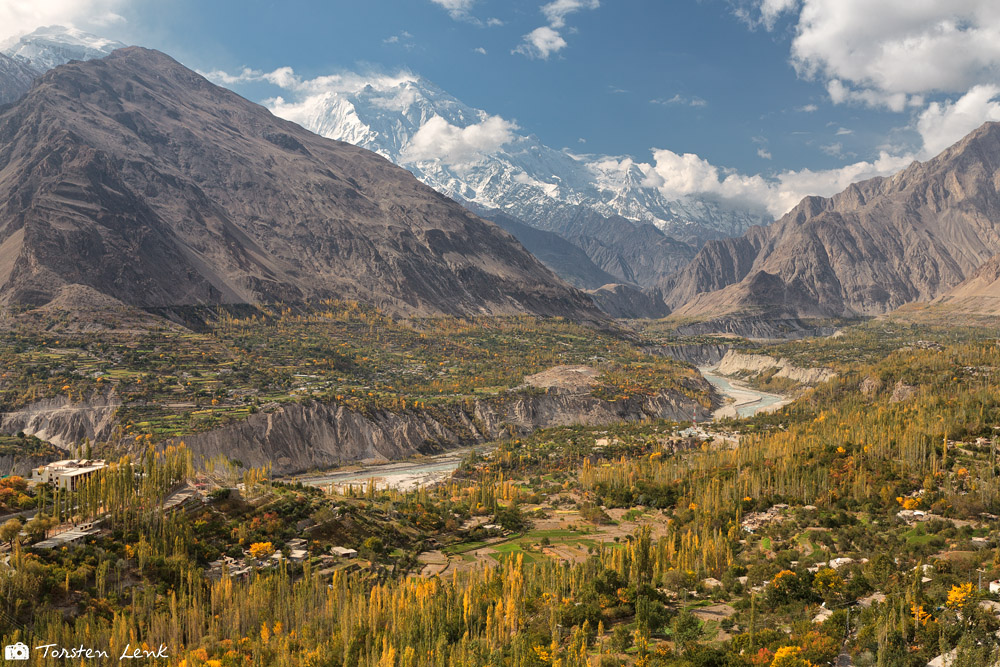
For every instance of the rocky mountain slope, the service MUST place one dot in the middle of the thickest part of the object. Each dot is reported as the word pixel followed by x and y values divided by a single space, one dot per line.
pixel 877 245
pixel 137 177
pixel 565 259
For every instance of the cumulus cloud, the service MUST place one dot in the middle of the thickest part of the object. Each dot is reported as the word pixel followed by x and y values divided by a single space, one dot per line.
pixel 19 17
pixel 541 43
pixel 900 46
pixel 764 154
pixel 546 40
pixel 676 175
pixel 437 139
pixel 890 54
pixel 942 124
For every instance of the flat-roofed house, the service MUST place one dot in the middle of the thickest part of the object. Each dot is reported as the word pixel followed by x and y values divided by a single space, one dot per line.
pixel 67 474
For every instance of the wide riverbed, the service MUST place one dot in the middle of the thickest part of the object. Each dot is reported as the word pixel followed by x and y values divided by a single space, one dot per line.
pixel 746 401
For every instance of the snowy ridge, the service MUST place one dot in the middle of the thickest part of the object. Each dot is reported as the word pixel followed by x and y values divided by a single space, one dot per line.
pixel 52 46
pixel 520 175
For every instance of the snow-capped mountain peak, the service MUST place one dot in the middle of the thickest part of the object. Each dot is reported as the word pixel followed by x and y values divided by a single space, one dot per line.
pixel 51 46
pixel 470 155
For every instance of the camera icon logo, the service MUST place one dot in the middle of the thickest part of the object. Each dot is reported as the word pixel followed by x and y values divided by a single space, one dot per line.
pixel 16 651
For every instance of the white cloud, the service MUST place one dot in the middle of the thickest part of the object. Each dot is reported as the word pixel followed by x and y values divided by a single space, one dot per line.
pixel 763 153
pixel 480 50
pixel 843 94
pixel 456 8
pixel 843 131
pixel 677 175
pixel 437 139
pixel 541 43
pixel 889 53
pixel 19 17
pixel 942 124
pixel 808 108
pixel 557 11
pixel 546 40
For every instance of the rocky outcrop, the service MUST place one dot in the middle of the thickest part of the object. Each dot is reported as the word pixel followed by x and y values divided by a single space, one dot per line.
pixel 902 392
pixel 742 363
pixel 62 422
pixel 299 437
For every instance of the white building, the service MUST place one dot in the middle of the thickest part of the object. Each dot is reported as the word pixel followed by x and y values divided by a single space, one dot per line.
pixel 345 553
pixel 67 474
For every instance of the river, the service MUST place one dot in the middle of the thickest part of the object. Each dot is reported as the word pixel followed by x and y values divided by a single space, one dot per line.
pixel 746 401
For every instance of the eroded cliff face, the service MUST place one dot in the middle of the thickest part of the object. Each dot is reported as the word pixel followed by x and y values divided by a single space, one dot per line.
pixel 741 363
pixel 696 355
pixel 62 422
pixel 300 437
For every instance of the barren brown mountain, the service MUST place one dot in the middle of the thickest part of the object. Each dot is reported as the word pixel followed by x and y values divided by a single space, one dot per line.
pixel 138 178
pixel 877 245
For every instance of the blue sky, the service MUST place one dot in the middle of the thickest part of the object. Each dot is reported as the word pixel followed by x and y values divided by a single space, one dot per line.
pixel 772 92
pixel 730 85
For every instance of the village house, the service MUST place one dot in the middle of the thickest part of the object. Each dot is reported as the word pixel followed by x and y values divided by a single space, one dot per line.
pixel 67 474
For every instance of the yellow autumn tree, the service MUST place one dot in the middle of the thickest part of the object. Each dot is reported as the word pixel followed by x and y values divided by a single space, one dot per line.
pixel 960 596
pixel 790 656
pixel 261 550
